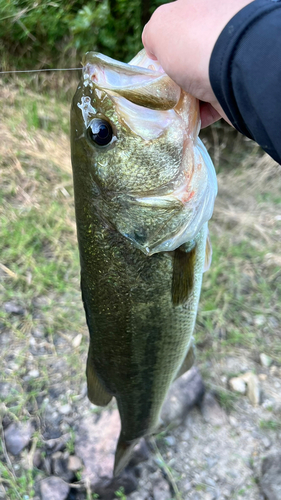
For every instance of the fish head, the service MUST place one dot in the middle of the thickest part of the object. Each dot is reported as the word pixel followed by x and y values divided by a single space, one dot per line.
pixel 136 156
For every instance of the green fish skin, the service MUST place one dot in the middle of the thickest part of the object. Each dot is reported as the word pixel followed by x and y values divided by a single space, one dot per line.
pixel 144 190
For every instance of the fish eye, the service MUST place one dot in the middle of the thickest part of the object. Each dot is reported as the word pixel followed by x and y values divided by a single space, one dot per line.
pixel 100 132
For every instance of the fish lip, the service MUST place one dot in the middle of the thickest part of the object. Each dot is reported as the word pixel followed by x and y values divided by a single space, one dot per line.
pixel 149 88
pixel 94 64
pixel 93 58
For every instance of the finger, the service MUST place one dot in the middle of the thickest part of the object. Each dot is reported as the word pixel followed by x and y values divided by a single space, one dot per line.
pixel 146 45
pixel 157 33
pixel 208 114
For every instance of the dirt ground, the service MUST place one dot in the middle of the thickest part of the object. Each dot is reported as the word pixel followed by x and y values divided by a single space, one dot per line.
pixel 213 440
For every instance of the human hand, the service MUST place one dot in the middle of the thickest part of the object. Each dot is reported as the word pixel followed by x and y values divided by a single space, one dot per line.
pixel 181 35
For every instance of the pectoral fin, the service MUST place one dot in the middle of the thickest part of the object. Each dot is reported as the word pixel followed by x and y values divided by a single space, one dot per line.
pixel 188 361
pixel 208 254
pixel 183 273
pixel 96 392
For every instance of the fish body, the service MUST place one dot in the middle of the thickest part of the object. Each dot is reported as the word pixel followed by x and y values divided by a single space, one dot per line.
pixel 144 192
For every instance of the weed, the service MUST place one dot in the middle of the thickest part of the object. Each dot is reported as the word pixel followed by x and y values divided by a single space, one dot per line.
pixel 270 424
pixel 70 445
pixel 200 487
pixel 226 398
pixel 17 486
pixel 120 493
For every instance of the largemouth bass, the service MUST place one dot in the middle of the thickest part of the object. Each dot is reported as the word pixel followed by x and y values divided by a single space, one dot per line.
pixel 144 191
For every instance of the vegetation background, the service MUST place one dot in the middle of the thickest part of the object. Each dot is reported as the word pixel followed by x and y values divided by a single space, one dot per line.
pixel 43 336
pixel 37 34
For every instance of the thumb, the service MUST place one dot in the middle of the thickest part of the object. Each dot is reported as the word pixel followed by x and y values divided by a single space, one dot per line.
pixel 146 40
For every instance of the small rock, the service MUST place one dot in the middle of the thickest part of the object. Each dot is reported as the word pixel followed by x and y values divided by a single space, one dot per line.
pixel 59 443
pixel 259 320
pixel 268 404
pixel 210 495
pixel 210 482
pixel 37 459
pixel 161 491
pixel 185 436
pixel 274 371
pixel 235 365
pixel 262 377
pixel 34 373
pixel 60 466
pixel 74 463
pixel 77 340
pixel 54 488
pixel 65 409
pixel 106 487
pixel 271 477
pixel 140 454
pixel 274 323
pixel 47 465
pixel 253 387
pixel 265 360
pixel 17 437
pixel 185 392
pixel 233 421
pixel 95 445
pixel 38 332
pixel 170 440
pixel 5 390
pixel 187 486
pixel 237 384
pixel 227 492
pixel 266 442
pixel 13 308
pixel 212 411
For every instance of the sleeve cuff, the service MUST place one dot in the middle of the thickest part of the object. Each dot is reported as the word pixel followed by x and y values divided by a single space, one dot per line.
pixel 224 51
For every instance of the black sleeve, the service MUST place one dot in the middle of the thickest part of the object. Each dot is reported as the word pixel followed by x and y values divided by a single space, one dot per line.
pixel 245 73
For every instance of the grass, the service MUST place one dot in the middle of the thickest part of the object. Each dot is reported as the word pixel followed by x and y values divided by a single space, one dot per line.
pixel 39 267
pixel 240 308
pixel 244 282
pixel 272 425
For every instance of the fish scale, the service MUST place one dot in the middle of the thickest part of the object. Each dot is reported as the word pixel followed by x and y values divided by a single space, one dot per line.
pixel 144 190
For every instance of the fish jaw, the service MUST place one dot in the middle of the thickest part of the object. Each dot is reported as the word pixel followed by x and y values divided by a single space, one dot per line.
pixel 143 86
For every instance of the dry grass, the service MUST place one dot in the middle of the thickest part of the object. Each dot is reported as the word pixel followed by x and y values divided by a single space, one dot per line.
pixel 240 306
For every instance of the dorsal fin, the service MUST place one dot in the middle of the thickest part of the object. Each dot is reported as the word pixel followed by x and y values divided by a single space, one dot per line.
pixel 208 254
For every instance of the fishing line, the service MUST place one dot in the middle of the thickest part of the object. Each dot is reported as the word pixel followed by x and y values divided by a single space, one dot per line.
pixel 38 70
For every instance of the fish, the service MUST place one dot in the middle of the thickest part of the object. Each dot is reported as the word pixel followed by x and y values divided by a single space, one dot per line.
pixel 144 190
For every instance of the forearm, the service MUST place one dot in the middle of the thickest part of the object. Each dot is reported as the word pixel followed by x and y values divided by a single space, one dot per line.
pixel 245 73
